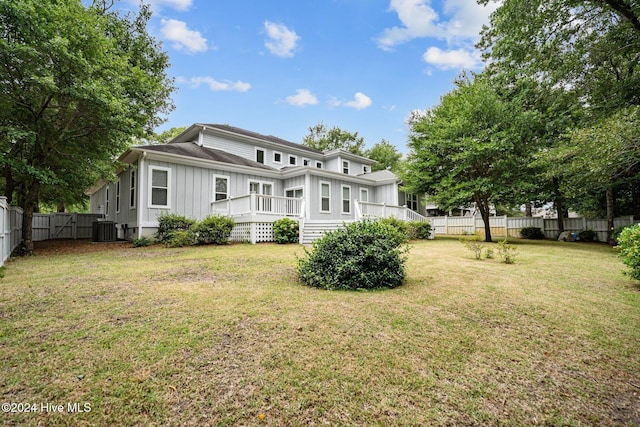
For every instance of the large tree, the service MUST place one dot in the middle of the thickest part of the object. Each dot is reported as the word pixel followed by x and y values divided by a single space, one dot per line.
pixel 77 84
pixel 588 49
pixel 386 156
pixel 468 150
pixel 324 139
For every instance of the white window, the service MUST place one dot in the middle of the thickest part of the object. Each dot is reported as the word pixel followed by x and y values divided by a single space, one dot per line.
pixel 319 165
pixel 220 187
pixel 364 194
pixel 412 202
pixel 325 197
pixel 259 155
pixel 366 169
pixel 159 179
pixel 277 157
pixel 293 160
pixel 346 199
pixel 293 206
pixel 118 196
pixel 306 162
pixel 262 189
pixel 132 190
pixel 345 167
pixel 106 205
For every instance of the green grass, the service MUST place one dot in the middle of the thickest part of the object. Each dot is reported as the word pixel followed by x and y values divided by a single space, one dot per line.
pixel 226 336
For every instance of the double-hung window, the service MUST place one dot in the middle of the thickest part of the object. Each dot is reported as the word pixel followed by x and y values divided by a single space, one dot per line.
pixel 325 197
pixel 346 199
pixel 118 196
pixel 160 179
pixel 220 187
pixel 132 190
pixel 345 167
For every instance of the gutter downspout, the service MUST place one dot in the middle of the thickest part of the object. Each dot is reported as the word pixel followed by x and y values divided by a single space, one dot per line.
pixel 141 175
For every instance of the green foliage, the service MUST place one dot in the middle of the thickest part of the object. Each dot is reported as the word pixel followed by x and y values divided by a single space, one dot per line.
pixel 488 253
pixel 616 232
pixel 474 244
pixel 169 223
pixel 323 139
pixel 420 230
pixel 142 242
pixel 2 271
pixel 507 252
pixel 400 226
pixel 532 233
pixel 588 236
pixel 214 229
pixel 180 238
pixel 362 255
pixel 386 156
pixel 629 246
pixel 286 230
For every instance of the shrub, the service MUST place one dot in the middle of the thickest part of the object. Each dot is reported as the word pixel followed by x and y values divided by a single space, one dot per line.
pixel 488 253
pixel 420 230
pixel 532 233
pixel 474 244
pixel 169 223
pixel 399 225
pixel 286 230
pixel 508 252
pixel 588 236
pixel 616 232
pixel 142 241
pixel 629 246
pixel 362 255
pixel 180 238
pixel 214 229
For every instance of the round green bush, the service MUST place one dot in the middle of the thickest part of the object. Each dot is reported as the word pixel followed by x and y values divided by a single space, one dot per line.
pixel 420 230
pixel 629 246
pixel 588 236
pixel 362 255
pixel 532 233
pixel 213 229
pixel 169 223
pixel 286 230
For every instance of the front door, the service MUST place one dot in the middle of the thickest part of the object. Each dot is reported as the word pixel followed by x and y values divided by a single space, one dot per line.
pixel 293 207
pixel 264 189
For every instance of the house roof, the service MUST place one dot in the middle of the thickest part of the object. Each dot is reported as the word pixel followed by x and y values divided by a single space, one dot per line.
pixel 191 149
pixel 269 138
pixel 380 175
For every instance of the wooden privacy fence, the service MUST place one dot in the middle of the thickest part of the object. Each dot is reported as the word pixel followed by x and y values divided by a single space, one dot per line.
pixel 10 229
pixel 63 226
pixel 502 226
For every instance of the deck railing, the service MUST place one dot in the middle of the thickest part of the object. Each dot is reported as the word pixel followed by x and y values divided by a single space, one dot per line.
pixel 253 204
pixel 382 210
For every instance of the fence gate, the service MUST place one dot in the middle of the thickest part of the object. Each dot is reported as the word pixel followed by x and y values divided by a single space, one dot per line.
pixel 63 226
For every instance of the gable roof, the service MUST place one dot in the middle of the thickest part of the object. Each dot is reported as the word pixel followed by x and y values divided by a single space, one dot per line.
pixel 192 149
pixel 269 138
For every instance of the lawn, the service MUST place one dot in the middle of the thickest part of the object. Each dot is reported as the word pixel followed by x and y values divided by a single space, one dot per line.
pixel 226 336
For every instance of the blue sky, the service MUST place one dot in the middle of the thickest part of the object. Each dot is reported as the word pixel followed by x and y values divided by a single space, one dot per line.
pixel 278 67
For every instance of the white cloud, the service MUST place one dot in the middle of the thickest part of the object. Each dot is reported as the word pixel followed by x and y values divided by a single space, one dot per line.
pixel 460 20
pixel 281 41
pixel 182 37
pixel 360 102
pixel 301 98
pixel 451 59
pixel 217 86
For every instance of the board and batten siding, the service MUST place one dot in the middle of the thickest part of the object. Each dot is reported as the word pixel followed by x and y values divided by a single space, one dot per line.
pixel 335 199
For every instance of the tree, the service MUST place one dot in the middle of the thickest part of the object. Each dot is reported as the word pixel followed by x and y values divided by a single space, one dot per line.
pixel 166 136
pixel 78 83
pixel 323 139
pixel 386 156
pixel 466 150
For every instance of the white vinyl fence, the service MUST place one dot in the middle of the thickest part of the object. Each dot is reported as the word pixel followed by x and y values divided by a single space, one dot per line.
pixel 63 226
pixel 502 226
pixel 10 229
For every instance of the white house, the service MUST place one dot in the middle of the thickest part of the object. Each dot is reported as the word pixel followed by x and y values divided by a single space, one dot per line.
pixel 255 179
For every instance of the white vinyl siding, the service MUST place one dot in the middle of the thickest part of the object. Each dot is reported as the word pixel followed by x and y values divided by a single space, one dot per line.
pixel 159 187
pixel 325 197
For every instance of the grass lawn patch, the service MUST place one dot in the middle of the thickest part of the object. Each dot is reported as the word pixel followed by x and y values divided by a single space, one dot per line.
pixel 225 335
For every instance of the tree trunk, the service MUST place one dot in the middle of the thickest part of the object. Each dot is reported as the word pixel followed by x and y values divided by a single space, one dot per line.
pixel 32 197
pixel 610 215
pixel 11 185
pixel 483 206
pixel 528 209
pixel 558 204
pixel 61 207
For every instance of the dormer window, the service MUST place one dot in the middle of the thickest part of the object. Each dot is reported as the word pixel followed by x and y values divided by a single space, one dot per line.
pixel 259 155
pixel 345 167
